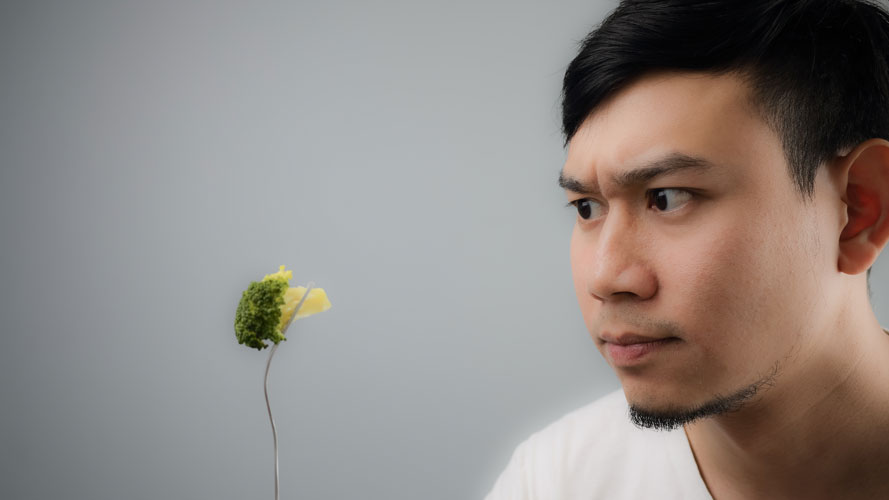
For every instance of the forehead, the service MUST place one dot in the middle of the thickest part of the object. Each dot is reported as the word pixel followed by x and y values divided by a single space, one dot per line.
pixel 698 115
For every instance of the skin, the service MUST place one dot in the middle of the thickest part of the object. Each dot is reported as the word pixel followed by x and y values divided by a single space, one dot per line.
pixel 748 278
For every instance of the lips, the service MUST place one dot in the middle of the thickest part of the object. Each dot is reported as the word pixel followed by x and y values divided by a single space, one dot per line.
pixel 628 339
pixel 631 349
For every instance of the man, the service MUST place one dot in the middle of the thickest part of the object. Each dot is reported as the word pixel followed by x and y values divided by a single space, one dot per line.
pixel 729 164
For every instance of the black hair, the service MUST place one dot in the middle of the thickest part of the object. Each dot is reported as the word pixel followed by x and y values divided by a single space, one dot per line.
pixel 818 70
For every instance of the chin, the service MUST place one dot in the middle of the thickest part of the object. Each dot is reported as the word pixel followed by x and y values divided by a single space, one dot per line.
pixel 659 410
pixel 658 394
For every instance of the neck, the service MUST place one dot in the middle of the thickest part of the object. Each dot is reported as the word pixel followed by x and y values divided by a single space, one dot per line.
pixel 823 426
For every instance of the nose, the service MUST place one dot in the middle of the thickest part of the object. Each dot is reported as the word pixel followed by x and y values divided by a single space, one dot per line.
pixel 618 269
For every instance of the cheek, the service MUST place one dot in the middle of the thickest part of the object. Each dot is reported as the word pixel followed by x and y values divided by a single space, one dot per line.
pixel 730 284
pixel 712 276
pixel 580 267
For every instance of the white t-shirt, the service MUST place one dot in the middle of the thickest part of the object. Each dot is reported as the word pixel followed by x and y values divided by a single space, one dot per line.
pixel 597 453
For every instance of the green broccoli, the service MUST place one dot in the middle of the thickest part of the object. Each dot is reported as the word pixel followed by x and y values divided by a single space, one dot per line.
pixel 258 317
pixel 267 307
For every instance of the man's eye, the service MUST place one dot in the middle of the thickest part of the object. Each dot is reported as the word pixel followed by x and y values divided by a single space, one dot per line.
pixel 587 208
pixel 668 199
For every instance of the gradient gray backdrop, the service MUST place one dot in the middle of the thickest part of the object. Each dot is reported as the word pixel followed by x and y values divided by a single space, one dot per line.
pixel 158 156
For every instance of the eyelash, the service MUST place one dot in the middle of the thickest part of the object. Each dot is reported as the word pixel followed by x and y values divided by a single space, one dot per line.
pixel 576 206
pixel 649 194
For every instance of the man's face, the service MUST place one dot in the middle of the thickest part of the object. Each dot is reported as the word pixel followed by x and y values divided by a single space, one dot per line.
pixel 690 231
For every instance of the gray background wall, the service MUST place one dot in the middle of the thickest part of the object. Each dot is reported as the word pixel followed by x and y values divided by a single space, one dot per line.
pixel 158 156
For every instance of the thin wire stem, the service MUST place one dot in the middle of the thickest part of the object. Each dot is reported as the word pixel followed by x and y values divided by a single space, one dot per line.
pixel 271 418
pixel 268 365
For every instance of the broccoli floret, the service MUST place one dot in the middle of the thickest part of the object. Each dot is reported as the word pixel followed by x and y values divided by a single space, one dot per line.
pixel 267 307
pixel 258 317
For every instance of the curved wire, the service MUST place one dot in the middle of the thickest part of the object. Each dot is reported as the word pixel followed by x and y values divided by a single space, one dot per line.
pixel 271 418
pixel 266 384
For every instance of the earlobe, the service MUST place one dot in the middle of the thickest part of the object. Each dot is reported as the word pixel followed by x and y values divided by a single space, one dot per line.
pixel 867 204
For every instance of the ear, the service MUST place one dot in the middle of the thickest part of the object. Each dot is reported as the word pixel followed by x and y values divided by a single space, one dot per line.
pixel 866 195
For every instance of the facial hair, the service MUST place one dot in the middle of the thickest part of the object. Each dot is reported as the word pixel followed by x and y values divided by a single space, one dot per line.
pixel 673 418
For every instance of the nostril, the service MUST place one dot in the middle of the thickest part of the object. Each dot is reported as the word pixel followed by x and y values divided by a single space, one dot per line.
pixel 632 283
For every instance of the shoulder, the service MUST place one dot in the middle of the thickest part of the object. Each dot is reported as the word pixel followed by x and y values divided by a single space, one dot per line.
pixel 596 452
pixel 597 423
pixel 594 437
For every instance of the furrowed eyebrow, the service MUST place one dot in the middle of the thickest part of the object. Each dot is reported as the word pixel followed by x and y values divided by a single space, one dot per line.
pixel 574 185
pixel 662 166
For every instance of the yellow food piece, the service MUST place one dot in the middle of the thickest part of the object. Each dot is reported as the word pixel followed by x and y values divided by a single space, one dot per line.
pixel 282 273
pixel 316 302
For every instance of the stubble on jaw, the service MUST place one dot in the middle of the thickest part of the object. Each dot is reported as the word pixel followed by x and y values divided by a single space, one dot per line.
pixel 673 418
